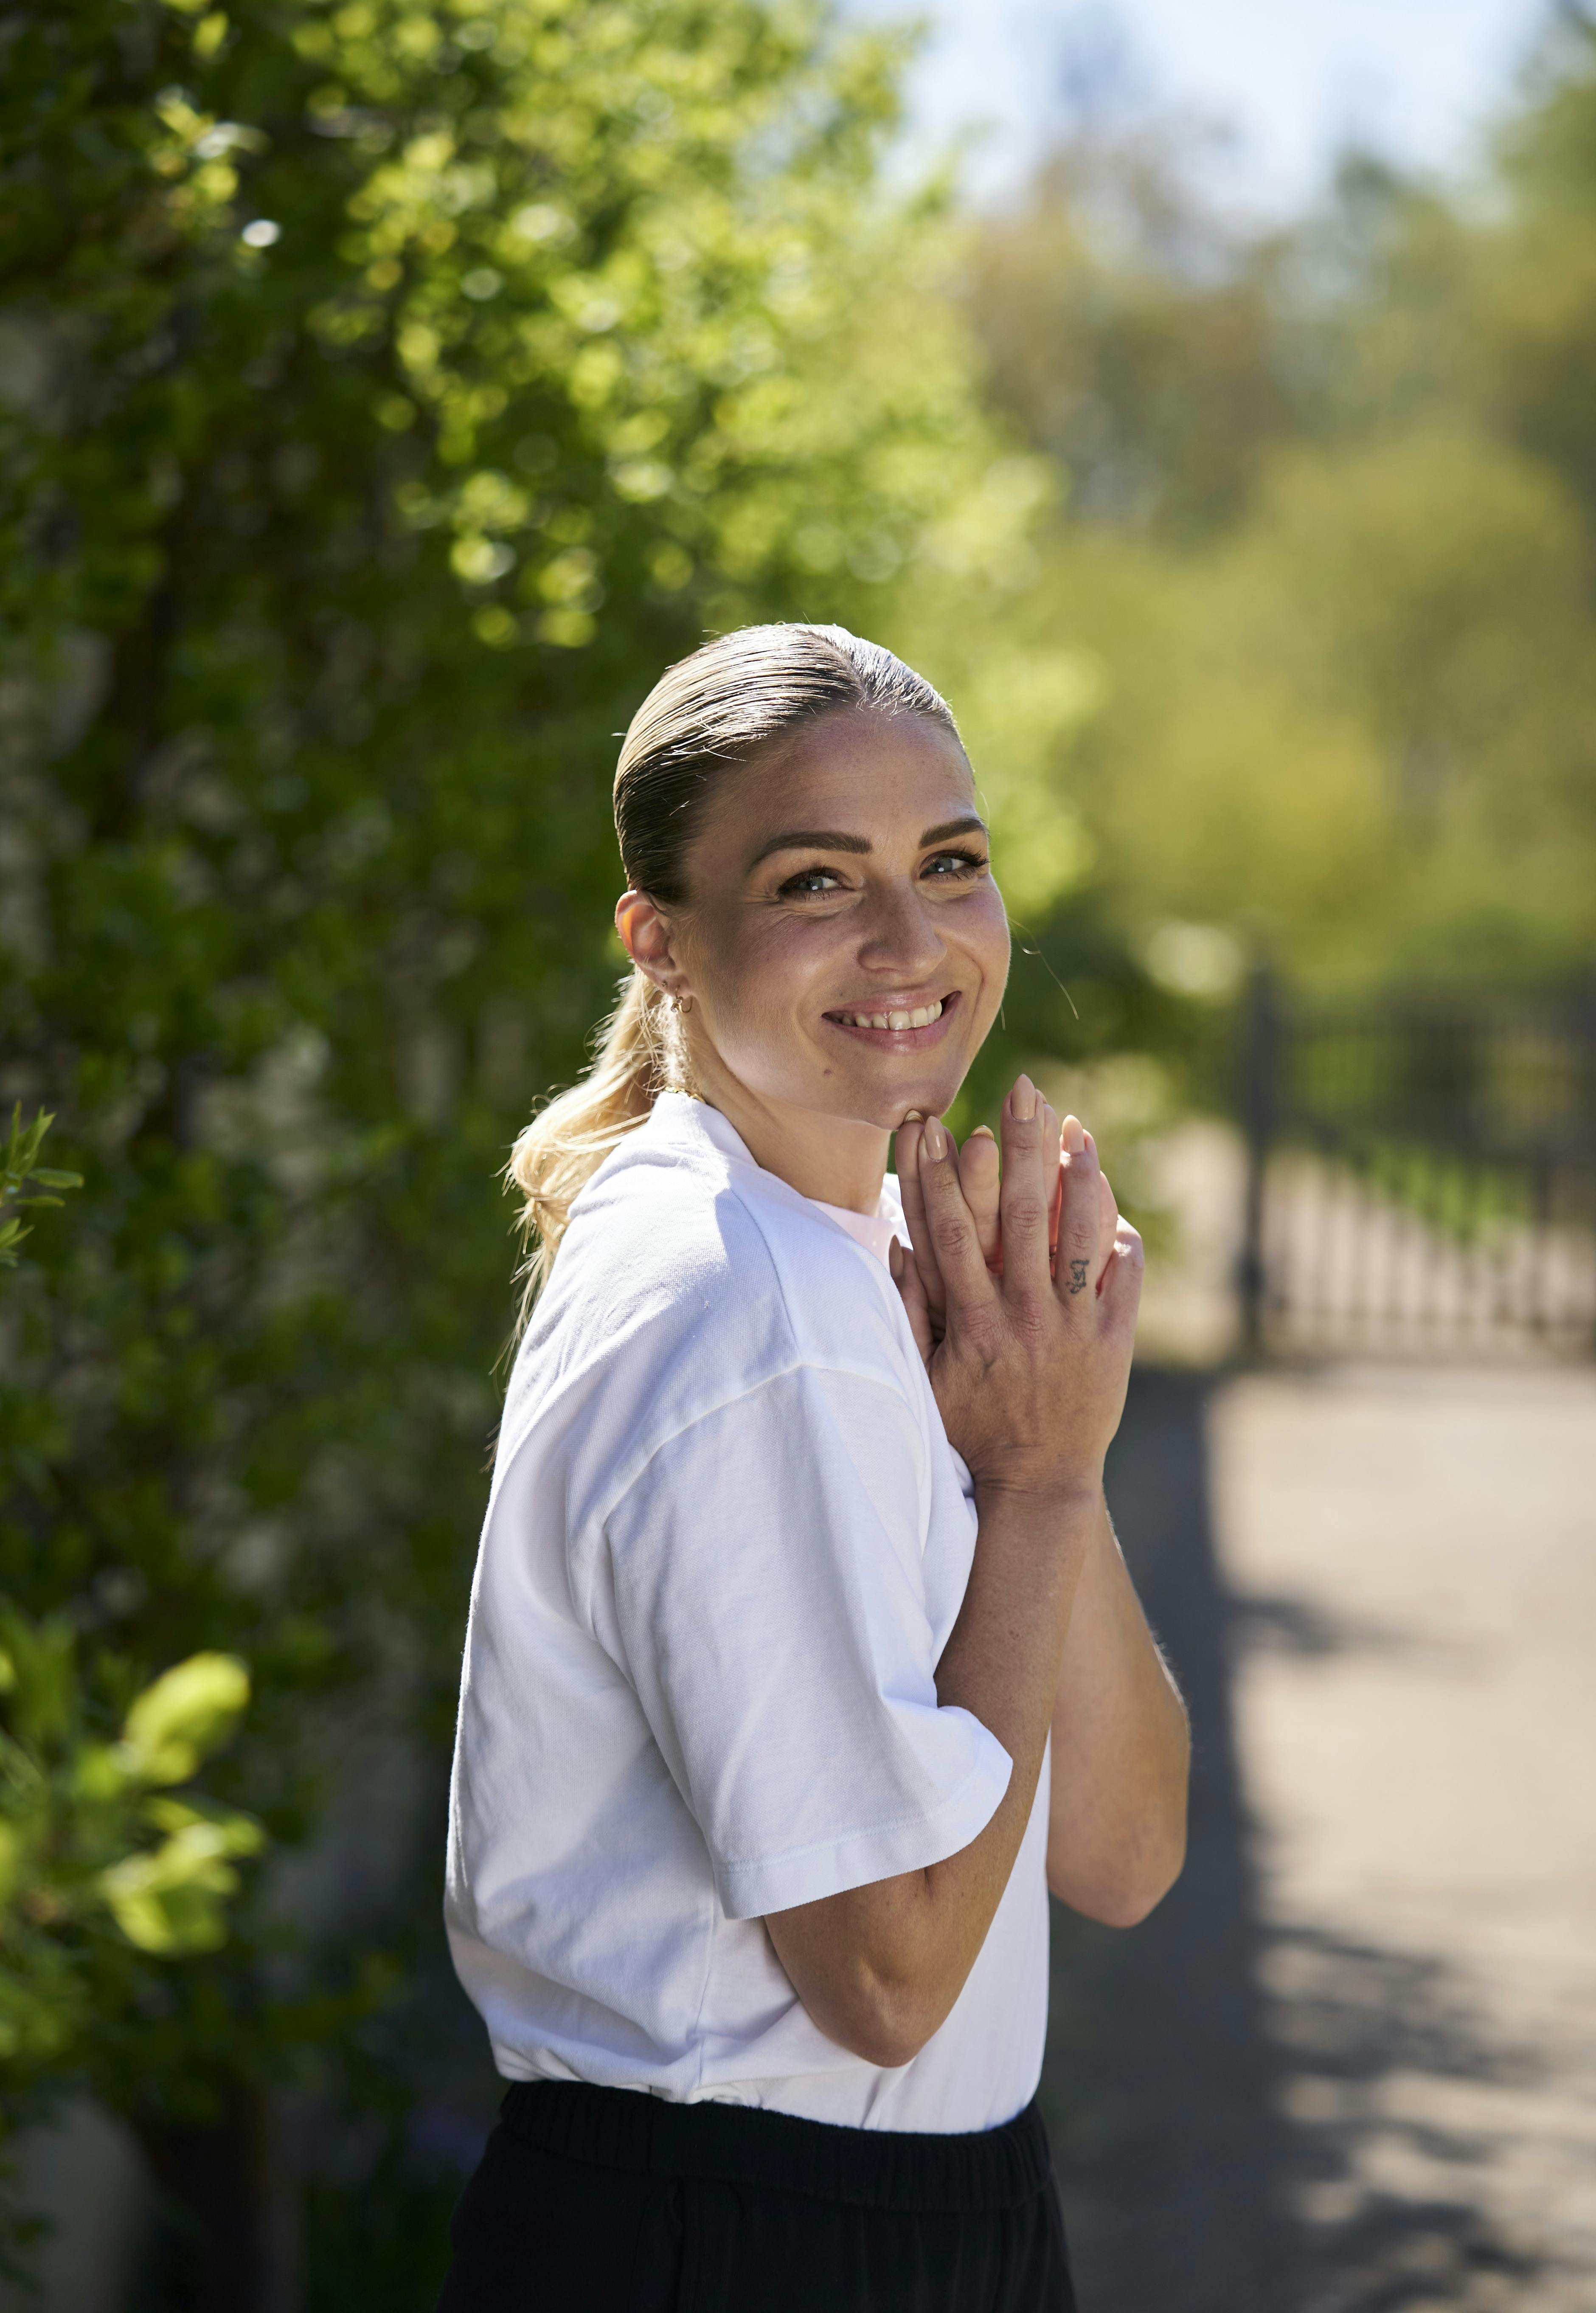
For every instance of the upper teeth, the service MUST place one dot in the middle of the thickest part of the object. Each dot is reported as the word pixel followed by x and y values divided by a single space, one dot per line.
pixel 923 1018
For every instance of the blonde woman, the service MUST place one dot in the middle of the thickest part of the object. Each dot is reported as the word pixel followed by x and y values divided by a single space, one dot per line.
pixel 802 1660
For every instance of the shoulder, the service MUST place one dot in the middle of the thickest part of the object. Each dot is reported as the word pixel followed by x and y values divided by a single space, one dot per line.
pixel 662 1256
pixel 688 1278
pixel 681 1232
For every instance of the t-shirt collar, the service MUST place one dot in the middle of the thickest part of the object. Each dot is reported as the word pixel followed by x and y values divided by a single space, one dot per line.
pixel 874 1231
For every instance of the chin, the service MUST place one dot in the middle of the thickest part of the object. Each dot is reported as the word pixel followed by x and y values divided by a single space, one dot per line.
pixel 888 1109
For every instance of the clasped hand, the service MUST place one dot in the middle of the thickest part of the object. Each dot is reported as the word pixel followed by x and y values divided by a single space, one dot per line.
pixel 1021 1290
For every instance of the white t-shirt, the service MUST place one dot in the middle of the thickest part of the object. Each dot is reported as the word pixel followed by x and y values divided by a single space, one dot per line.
pixel 725 1545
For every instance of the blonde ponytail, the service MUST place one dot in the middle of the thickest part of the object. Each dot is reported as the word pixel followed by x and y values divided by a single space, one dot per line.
pixel 735 697
pixel 639 1056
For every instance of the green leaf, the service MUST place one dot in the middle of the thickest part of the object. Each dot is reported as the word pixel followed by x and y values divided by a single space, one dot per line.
pixel 187 1713
pixel 169 1900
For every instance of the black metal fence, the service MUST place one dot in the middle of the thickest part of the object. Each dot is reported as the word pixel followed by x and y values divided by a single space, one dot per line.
pixel 1420 1175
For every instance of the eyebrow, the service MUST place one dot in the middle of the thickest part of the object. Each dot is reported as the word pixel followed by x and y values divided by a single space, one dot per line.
pixel 809 838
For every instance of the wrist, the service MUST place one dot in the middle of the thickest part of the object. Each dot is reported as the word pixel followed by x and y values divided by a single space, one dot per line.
pixel 1061 1494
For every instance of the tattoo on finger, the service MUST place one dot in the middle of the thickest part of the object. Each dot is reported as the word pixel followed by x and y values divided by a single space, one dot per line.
pixel 1078 1276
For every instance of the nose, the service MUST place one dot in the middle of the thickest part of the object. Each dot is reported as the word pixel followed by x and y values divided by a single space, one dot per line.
pixel 900 938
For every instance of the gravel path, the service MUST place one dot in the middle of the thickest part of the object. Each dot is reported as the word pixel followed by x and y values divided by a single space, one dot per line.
pixel 1351 2065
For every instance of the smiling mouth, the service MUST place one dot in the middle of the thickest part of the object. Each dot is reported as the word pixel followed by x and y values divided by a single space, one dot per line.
pixel 898 1023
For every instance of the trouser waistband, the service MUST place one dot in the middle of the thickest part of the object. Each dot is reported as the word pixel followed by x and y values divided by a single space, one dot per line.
pixel 864 2167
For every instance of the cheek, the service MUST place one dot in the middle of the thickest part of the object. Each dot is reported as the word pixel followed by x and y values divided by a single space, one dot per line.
pixel 987 941
pixel 997 927
pixel 765 967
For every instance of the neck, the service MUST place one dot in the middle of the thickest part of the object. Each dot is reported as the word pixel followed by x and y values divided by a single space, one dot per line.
pixel 837 1160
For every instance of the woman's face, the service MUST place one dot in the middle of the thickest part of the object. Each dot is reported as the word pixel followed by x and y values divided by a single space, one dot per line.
pixel 845 944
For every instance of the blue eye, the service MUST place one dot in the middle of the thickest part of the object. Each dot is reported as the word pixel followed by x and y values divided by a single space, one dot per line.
pixel 947 865
pixel 809 882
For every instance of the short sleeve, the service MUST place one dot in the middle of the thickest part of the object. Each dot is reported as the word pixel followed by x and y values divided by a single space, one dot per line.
pixel 769 1609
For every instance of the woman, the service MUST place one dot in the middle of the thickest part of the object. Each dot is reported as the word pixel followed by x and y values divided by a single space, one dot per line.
pixel 796 1554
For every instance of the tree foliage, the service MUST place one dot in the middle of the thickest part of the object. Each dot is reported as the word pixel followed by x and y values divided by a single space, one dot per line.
pixel 1331 545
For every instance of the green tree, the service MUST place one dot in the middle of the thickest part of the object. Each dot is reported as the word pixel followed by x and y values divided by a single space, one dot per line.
pixel 1342 628
pixel 1133 335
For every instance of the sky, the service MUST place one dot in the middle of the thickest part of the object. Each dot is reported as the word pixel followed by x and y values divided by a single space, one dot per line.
pixel 1294 79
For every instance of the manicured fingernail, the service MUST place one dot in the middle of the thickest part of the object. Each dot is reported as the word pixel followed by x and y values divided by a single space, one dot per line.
pixel 983 1132
pixel 913 1116
pixel 936 1137
pixel 1023 1099
pixel 1074 1135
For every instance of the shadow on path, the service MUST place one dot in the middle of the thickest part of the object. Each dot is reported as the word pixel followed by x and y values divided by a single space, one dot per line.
pixel 1395 2101
pixel 1160 2085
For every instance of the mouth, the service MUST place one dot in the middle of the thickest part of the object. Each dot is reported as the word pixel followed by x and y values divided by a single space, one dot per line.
pixel 901 1027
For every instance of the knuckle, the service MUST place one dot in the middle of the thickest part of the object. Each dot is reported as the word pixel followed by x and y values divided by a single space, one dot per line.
pixel 941 1185
pixel 1028 1311
pixel 983 1338
pixel 950 1233
pixel 1026 1211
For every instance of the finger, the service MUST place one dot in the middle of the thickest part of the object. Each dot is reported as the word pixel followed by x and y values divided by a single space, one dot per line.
pixel 1078 1215
pixel 979 1176
pixel 907 1155
pixel 1052 1178
pixel 1107 1223
pixel 966 1280
pixel 906 1277
pixel 1122 1279
pixel 1024 1195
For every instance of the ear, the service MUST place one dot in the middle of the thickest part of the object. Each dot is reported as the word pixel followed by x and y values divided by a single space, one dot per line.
pixel 646 934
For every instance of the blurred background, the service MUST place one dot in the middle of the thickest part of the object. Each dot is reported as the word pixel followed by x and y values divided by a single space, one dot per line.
pixel 1203 397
